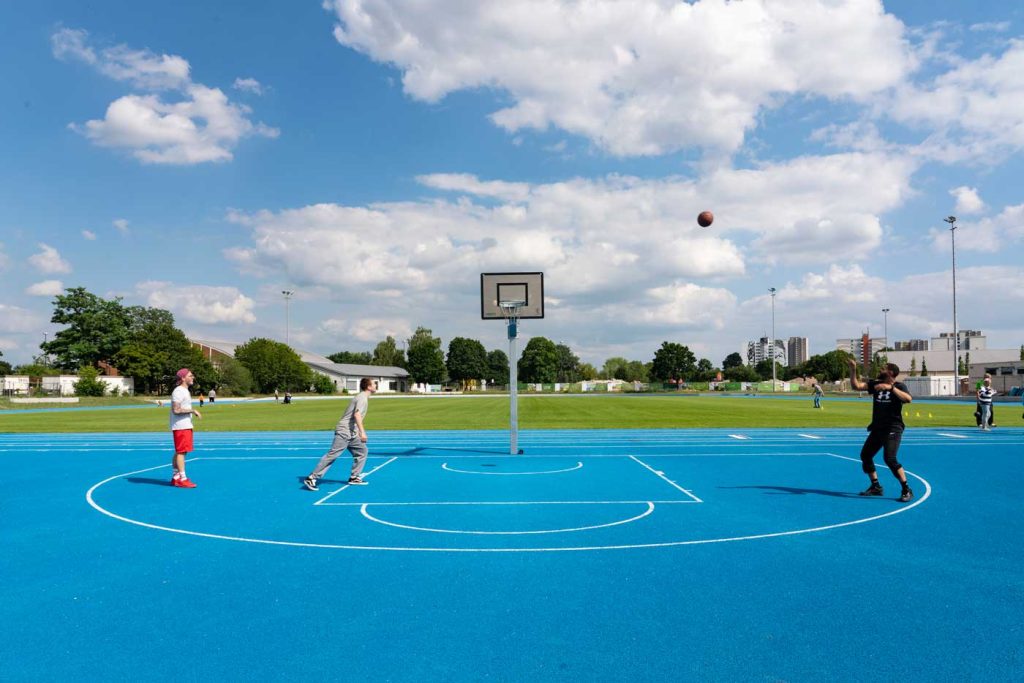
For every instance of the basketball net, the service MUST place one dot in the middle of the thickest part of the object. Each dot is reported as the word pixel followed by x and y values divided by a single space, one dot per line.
pixel 510 310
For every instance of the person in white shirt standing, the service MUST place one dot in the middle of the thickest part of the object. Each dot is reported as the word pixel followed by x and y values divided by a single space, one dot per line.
pixel 985 394
pixel 181 427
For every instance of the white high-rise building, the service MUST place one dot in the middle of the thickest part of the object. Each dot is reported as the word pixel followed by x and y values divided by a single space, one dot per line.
pixel 761 349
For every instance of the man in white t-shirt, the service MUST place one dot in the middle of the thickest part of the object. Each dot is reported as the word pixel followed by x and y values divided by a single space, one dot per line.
pixel 348 433
pixel 181 427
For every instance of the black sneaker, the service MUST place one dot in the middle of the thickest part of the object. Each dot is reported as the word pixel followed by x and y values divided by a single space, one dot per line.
pixel 874 490
pixel 906 495
pixel 356 481
pixel 310 483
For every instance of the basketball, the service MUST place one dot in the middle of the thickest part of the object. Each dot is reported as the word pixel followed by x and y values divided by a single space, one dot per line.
pixel 705 218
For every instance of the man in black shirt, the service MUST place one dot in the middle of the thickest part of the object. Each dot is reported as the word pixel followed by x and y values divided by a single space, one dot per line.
pixel 886 428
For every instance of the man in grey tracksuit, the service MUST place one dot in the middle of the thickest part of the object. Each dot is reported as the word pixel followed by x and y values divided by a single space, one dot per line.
pixel 348 433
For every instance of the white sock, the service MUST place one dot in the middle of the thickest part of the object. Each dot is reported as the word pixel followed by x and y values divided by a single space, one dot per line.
pixel 178 475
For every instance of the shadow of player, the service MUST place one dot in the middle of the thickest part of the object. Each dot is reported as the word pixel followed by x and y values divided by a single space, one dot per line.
pixel 148 480
pixel 792 490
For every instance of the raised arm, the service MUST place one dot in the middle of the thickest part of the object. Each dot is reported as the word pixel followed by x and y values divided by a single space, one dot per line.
pixel 855 381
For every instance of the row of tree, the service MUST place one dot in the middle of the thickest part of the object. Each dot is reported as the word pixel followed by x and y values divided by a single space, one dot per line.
pixel 145 344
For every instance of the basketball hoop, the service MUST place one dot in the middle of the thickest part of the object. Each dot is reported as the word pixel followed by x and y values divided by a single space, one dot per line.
pixel 510 310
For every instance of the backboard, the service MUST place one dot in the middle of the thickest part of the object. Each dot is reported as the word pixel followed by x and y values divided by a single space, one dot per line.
pixel 496 288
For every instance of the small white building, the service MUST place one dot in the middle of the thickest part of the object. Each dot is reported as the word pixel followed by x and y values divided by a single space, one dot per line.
pixel 932 385
pixel 64 385
pixel 347 375
pixel 15 385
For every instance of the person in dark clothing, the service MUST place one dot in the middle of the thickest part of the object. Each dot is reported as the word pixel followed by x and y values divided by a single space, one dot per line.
pixel 886 428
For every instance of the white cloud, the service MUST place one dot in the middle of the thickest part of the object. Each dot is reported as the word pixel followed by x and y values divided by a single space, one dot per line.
pixel 49 260
pixel 199 124
pixel 967 200
pixel 635 77
pixel 250 85
pixel 46 288
pixel 16 320
pixel 366 330
pixel 198 303
pixel 974 111
pixel 122 225
pixel 89 235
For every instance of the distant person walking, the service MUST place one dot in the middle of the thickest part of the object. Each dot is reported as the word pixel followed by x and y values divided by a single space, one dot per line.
pixel 212 395
pixel 886 428
pixel 985 394
pixel 978 410
pixel 277 396
pixel 349 433
pixel 817 395
pixel 181 427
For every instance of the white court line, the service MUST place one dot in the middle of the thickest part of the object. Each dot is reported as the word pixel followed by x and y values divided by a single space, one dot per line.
pixel 809 436
pixel 444 466
pixel 522 502
pixel 662 476
pixel 952 436
pixel 337 546
pixel 334 493
pixel 649 510
pixel 739 436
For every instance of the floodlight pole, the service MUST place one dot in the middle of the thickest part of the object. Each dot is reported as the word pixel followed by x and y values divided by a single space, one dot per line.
pixel 885 326
pixel 956 335
pixel 772 344
pixel 287 297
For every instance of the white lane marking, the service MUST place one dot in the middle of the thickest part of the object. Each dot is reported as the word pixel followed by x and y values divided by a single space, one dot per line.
pixel 334 493
pixel 363 510
pixel 661 475
pixel 741 437
pixel 444 466
pixel 952 436
pixel 809 436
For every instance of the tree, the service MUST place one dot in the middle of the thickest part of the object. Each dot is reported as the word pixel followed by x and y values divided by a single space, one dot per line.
pixel 156 349
pixel 733 360
pixel 425 358
pixel 497 367
pixel 539 362
pixel 388 354
pixel 614 368
pixel 587 372
pixel 235 379
pixel 273 365
pixel 673 362
pixel 95 330
pixel 924 367
pixel 88 383
pixel 5 367
pixel 353 357
pixel 636 371
pixel 568 364
pixel 913 366
pixel 467 360
pixel 828 367
pixel 878 362
pixel 36 370
pixel 705 370
pixel 322 384
pixel 741 373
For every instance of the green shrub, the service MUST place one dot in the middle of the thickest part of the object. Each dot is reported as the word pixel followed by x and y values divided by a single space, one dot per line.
pixel 88 383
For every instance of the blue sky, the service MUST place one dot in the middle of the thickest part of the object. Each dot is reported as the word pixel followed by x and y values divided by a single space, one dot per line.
pixel 375 156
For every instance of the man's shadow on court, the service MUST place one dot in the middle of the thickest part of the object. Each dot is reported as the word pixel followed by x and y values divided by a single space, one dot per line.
pixel 148 480
pixel 794 491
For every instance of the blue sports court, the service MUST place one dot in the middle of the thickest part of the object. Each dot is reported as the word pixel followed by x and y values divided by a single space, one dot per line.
pixel 597 555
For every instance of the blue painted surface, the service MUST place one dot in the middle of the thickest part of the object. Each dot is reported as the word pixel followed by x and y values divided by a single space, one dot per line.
pixel 930 592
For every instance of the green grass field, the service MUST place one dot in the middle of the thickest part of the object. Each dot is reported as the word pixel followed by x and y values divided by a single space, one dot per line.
pixel 491 412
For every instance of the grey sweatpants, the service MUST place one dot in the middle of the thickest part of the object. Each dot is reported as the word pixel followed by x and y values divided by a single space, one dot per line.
pixel 343 440
pixel 986 414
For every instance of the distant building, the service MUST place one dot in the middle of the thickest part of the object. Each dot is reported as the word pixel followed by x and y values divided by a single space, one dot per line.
pixel 862 348
pixel 761 349
pixel 796 351
pixel 912 345
pixel 969 339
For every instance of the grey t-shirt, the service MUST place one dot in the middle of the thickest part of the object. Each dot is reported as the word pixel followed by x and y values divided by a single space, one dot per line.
pixel 347 424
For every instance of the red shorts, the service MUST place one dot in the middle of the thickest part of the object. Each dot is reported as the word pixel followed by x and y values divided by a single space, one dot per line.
pixel 182 440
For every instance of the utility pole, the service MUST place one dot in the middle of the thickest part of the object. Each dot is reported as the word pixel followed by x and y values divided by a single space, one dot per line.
pixel 287 297
pixel 885 312
pixel 956 335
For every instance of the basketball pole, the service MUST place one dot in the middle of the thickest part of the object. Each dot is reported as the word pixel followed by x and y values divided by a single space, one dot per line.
pixel 513 386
